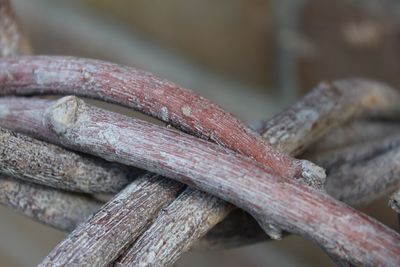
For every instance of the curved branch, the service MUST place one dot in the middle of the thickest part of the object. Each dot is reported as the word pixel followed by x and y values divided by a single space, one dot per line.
pixel 297 208
pixel 59 209
pixel 146 93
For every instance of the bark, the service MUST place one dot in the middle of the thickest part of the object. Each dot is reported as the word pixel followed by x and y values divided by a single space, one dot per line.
pixel 12 42
pixel 357 175
pixel 59 209
pixel 36 161
pixel 124 216
pixel 297 208
pixel 146 93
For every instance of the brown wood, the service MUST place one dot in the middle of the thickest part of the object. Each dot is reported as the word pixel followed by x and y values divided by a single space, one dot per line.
pixel 297 208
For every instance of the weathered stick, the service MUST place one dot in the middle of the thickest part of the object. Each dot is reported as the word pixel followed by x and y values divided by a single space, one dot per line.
pixel 124 216
pixel 362 173
pixel 355 132
pixel 59 209
pixel 12 42
pixel 144 252
pixel 361 96
pixel 357 175
pixel 147 93
pixel 292 131
pixel 241 181
pixel 326 107
pixel 35 161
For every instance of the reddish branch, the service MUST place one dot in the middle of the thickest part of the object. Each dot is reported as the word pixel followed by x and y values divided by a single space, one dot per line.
pixel 146 93
pixel 296 208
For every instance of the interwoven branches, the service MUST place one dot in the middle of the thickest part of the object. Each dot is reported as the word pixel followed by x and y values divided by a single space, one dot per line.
pixel 280 191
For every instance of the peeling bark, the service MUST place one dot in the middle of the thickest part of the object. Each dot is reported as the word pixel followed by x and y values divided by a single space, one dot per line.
pixel 297 208
pixel 59 209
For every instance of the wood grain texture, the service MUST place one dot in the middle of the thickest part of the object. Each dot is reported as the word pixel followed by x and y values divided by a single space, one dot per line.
pixel 292 131
pixel 327 106
pixel 59 209
pixel 146 93
pixel 359 174
pixel 36 161
pixel 12 41
pixel 129 212
pixel 296 208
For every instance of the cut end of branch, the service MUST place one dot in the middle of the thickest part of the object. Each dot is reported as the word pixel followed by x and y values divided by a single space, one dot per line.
pixel 312 174
pixel 64 113
pixel 394 202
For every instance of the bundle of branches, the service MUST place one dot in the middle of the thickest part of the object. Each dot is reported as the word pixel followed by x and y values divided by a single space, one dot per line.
pixel 176 185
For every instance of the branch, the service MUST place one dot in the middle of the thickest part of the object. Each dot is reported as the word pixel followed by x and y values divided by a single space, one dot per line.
pixel 59 209
pixel 35 161
pixel 146 93
pixel 297 208
pixel 325 108
pixel 357 175
pixel 12 42
pixel 362 173
pixel 124 216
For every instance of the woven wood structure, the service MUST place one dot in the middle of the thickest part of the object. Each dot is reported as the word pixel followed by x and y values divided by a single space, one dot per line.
pixel 187 185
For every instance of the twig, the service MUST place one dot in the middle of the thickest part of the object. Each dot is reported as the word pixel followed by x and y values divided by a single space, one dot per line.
pixel 375 103
pixel 62 210
pixel 357 175
pixel 355 132
pixel 211 209
pixel 360 174
pixel 12 42
pixel 146 93
pixel 326 107
pixel 297 208
pixel 35 161
pixel 124 216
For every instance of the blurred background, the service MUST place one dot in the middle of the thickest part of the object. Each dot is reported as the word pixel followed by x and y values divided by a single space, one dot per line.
pixel 253 57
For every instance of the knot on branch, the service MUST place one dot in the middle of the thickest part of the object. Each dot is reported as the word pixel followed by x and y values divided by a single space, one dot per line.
pixel 312 174
pixel 64 113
